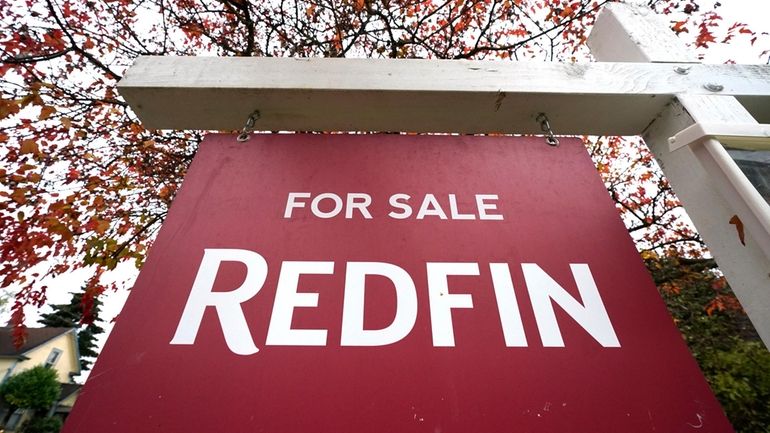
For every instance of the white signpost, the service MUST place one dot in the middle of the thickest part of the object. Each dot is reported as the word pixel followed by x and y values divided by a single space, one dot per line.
pixel 660 92
pixel 683 138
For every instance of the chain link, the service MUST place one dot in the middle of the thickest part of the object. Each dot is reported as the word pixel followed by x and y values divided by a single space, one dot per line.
pixel 245 134
pixel 545 126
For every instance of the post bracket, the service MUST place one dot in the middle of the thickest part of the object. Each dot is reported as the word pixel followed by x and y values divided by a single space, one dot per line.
pixel 747 136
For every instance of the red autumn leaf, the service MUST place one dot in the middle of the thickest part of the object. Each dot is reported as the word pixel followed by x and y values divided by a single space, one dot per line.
pixel 29 146
pixel 8 108
pixel 19 195
pixel 46 111
pixel 704 37
pixel 72 174
pixel 679 27
pixel 739 228
pixel 19 330
pixel 55 40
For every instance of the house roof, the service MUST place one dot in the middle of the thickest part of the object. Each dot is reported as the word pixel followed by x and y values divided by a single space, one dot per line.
pixel 35 337
pixel 67 389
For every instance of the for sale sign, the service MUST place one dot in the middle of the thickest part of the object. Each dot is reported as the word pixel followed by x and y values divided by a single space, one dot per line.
pixel 394 284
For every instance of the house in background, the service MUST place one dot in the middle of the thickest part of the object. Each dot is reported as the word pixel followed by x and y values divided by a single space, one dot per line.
pixel 53 347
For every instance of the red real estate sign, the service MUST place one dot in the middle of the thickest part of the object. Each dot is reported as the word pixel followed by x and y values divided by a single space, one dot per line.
pixel 388 283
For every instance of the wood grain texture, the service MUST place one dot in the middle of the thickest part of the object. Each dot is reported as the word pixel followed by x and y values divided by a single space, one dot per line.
pixel 418 95
pixel 636 34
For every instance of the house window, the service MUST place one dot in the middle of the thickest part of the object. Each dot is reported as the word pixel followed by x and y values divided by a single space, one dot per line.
pixel 14 419
pixel 52 357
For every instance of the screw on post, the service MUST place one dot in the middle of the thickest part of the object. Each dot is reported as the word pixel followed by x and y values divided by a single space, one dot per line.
pixel 545 126
pixel 245 134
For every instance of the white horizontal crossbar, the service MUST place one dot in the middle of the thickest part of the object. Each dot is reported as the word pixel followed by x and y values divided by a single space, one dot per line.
pixel 750 136
pixel 423 95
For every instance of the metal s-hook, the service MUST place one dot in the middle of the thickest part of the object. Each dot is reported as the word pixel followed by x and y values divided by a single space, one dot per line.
pixel 545 126
pixel 245 134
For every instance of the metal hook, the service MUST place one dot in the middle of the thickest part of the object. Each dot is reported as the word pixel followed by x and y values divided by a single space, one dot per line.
pixel 545 126
pixel 245 134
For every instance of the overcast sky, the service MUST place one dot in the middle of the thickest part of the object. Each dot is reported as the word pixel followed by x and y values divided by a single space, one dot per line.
pixel 755 13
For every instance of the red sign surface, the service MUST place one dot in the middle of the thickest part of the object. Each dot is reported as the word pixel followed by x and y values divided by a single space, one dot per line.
pixel 387 283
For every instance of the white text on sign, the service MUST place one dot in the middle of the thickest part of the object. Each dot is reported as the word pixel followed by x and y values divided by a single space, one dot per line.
pixel 543 291
pixel 356 205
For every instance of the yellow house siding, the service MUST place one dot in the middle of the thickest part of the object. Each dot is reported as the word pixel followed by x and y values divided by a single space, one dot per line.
pixel 5 365
pixel 66 364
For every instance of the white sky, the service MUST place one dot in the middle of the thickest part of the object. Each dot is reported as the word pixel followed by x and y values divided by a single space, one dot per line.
pixel 755 13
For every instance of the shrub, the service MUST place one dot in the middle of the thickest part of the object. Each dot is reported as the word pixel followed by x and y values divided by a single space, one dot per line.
pixel 37 388
pixel 42 425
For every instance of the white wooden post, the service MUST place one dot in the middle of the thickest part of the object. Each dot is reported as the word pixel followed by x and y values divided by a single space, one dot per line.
pixel 628 33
